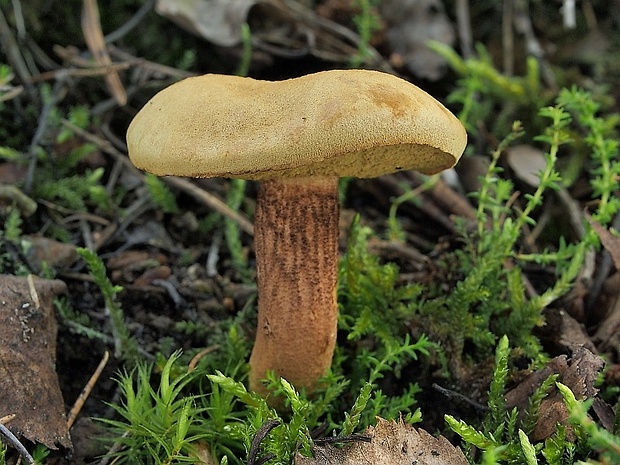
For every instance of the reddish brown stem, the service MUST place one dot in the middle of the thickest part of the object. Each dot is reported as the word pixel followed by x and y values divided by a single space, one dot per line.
pixel 296 242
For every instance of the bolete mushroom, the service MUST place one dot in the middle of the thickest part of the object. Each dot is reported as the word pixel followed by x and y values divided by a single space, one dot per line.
pixel 296 137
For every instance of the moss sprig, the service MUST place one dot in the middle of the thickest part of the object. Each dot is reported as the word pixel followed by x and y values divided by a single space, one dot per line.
pixel 126 346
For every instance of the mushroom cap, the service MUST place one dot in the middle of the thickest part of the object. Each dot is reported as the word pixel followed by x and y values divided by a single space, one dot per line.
pixel 357 123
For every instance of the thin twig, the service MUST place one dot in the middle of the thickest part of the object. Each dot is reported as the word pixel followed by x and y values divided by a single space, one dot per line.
pixel 149 65
pixel 13 441
pixel 260 435
pixel 508 42
pixel 38 135
pixel 110 456
pixel 356 437
pixel 196 358
pixel 130 24
pixel 450 394
pixel 13 55
pixel 93 35
pixel 212 201
pixel 79 403
pixel 171 290
pixel 463 19
pixel 306 15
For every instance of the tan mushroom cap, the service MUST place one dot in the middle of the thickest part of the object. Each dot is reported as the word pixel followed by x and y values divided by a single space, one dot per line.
pixel 356 123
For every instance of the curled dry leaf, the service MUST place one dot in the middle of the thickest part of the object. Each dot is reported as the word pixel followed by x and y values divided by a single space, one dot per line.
pixel 391 443
pixel 610 241
pixel 565 332
pixel 607 336
pixel 579 373
pixel 29 386
pixel 218 21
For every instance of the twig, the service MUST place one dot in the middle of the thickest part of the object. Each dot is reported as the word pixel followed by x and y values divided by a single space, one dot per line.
pixel 130 24
pixel 343 439
pixel 13 54
pixel 86 69
pixel 463 20
pixel 508 38
pixel 426 205
pixel 13 441
pixel 260 435
pixel 523 25
pixel 214 254
pixel 307 16
pixel 11 93
pixel 12 194
pixel 110 455
pixel 135 210
pixel 171 290
pixel 212 201
pixel 79 403
pixel 450 394
pixel 455 202
pixel 93 35
pixel 196 358
pixel 38 135
pixel 149 65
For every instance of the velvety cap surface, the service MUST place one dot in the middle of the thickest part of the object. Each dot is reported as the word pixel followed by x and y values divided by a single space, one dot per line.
pixel 344 122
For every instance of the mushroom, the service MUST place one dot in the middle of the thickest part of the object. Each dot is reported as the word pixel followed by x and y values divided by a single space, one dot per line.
pixel 296 137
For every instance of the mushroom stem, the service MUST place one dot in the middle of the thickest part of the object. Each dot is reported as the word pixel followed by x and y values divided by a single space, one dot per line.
pixel 296 244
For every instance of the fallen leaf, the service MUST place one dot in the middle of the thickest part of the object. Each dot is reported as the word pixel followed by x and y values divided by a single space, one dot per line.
pixel 579 373
pixel 527 162
pixel 609 241
pixel 41 249
pixel 29 386
pixel 153 274
pixel 391 443
pixel 607 336
pixel 565 332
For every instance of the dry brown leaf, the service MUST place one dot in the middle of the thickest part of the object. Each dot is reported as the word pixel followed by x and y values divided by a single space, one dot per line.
pixel 565 332
pixel 607 335
pixel 609 241
pixel 578 373
pixel 56 254
pixel 29 386
pixel 391 443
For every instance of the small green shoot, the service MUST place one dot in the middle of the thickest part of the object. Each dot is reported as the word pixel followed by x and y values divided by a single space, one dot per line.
pixel 161 195
pixel 124 345
pixel 367 23
pixel 236 194
pixel 158 426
